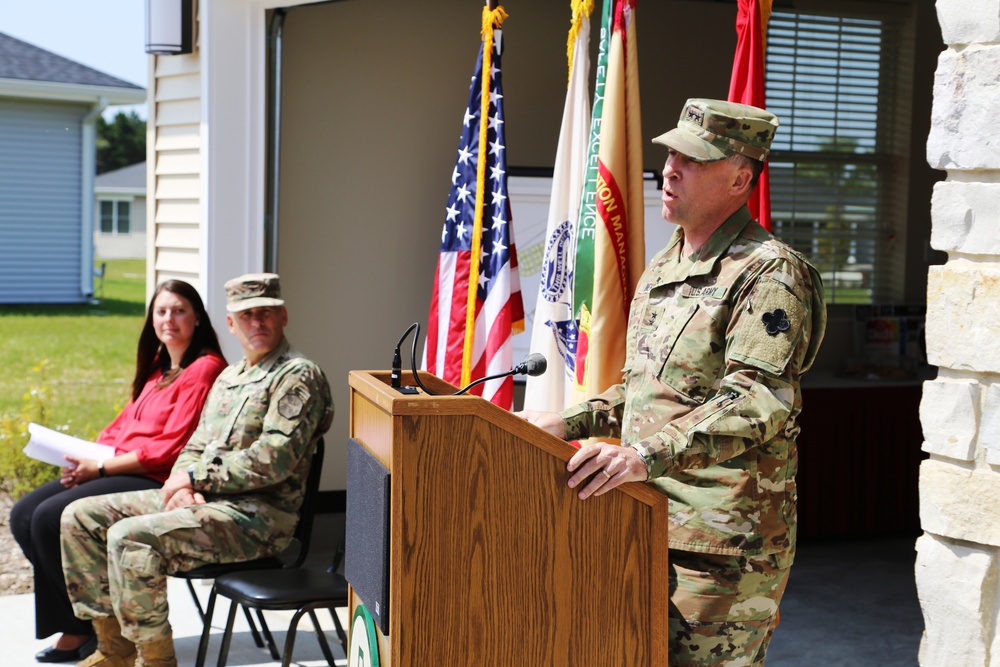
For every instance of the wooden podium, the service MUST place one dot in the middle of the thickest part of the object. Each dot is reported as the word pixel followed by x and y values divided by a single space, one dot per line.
pixel 493 560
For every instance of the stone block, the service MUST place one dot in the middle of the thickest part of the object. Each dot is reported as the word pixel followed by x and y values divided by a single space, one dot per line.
pixel 963 316
pixel 969 21
pixel 960 502
pixel 966 217
pixel 949 415
pixel 956 586
pixel 964 110
pixel 989 435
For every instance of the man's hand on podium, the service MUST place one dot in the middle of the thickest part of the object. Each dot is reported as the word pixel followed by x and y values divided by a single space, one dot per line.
pixel 606 465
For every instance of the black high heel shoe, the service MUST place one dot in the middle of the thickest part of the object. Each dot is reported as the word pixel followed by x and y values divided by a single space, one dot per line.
pixel 53 654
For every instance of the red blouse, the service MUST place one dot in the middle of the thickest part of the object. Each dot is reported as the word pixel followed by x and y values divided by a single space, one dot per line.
pixel 160 422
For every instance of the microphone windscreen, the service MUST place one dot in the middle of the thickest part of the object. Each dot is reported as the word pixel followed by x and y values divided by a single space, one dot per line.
pixel 535 364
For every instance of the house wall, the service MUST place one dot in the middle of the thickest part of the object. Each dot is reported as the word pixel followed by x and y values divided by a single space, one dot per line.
pixel 122 246
pixel 958 556
pixel 40 201
pixel 174 197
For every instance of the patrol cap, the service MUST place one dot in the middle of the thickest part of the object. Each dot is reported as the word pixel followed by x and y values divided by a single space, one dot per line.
pixel 253 290
pixel 710 130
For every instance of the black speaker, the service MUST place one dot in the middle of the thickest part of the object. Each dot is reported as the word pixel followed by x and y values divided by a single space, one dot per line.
pixel 366 553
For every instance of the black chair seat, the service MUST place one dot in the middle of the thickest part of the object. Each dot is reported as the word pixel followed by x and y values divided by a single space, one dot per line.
pixel 213 570
pixel 283 589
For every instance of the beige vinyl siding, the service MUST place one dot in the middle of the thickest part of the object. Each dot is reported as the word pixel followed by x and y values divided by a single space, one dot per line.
pixel 176 212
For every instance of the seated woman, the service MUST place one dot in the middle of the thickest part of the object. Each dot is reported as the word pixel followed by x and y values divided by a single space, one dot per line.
pixel 178 360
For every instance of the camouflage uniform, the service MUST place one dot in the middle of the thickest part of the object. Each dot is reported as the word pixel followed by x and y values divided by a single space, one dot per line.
pixel 715 347
pixel 249 457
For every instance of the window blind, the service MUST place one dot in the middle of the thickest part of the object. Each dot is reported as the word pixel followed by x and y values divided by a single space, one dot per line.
pixel 830 81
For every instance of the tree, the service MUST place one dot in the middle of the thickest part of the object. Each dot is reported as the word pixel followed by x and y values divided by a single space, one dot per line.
pixel 121 142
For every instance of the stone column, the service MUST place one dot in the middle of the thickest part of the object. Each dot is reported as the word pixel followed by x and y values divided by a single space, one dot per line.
pixel 957 557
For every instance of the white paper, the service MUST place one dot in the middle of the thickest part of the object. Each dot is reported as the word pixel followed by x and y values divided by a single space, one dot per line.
pixel 52 447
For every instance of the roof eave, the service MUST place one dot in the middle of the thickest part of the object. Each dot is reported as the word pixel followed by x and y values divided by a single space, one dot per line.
pixel 111 190
pixel 70 92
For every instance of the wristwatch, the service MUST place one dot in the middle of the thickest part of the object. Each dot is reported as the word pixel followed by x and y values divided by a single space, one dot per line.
pixel 100 469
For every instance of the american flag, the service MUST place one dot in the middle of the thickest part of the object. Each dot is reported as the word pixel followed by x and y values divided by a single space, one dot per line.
pixel 499 311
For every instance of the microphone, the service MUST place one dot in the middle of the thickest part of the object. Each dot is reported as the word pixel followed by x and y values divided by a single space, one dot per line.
pixel 534 364
pixel 397 364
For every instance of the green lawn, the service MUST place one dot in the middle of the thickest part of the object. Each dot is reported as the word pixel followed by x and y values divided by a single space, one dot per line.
pixel 75 361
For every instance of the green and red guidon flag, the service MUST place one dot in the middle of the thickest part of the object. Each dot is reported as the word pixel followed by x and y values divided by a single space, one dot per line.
pixel 611 237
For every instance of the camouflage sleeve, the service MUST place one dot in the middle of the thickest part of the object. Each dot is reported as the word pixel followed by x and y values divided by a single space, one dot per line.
pixel 299 409
pixel 192 451
pixel 777 322
pixel 598 417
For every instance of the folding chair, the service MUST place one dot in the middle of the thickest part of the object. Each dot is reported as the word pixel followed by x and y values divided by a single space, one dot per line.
pixel 303 590
pixel 302 536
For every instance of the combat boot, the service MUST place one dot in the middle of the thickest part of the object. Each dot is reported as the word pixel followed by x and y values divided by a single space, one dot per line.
pixel 157 653
pixel 113 650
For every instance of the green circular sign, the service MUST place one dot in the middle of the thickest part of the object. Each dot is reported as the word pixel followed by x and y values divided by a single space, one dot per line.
pixel 363 650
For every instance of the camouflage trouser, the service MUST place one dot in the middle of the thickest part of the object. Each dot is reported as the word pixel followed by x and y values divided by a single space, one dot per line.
pixel 723 609
pixel 118 549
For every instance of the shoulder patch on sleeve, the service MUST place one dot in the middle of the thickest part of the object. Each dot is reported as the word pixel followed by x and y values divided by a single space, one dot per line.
pixel 290 405
pixel 766 336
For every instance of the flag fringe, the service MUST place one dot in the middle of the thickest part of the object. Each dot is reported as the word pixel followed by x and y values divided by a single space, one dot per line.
pixel 582 9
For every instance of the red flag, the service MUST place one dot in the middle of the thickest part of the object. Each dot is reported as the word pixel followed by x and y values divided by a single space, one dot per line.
pixel 747 84
pixel 476 305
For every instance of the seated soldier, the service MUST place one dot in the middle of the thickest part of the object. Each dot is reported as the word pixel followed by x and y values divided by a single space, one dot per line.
pixel 234 493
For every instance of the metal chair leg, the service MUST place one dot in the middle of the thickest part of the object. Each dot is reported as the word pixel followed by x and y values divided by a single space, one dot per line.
pixel 197 602
pixel 323 645
pixel 206 628
pixel 340 628
pixel 227 636
pixel 272 646
pixel 286 658
pixel 253 630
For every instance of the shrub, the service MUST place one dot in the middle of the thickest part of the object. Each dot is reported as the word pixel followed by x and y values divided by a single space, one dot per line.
pixel 20 473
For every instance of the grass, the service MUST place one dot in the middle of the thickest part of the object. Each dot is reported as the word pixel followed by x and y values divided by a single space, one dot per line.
pixel 78 358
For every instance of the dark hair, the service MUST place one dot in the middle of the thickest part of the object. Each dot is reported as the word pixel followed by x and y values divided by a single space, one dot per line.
pixel 756 166
pixel 152 355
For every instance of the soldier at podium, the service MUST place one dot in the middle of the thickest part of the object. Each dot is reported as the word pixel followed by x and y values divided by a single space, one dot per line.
pixel 724 321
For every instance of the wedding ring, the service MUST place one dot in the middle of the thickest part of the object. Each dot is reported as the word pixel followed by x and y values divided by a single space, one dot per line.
pixel 606 473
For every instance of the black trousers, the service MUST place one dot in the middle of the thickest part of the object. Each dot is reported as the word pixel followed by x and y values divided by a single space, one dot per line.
pixel 34 522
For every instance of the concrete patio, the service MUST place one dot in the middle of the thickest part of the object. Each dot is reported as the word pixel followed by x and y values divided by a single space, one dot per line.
pixel 849 603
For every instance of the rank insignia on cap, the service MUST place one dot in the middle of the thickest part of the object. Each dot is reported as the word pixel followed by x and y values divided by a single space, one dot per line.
pixel 694 114
pixel 775 321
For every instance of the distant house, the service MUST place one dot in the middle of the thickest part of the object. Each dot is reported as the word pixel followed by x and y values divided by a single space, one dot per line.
pixel 120 229
pixel 48 109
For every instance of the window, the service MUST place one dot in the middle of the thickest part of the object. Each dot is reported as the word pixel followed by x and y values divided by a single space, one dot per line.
pixel 116 216
pixel 837 192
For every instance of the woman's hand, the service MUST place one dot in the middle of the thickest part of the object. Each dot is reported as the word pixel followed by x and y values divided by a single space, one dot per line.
pixel 79 471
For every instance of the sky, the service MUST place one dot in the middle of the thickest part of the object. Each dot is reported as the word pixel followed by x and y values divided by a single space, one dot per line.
pixel 107 35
